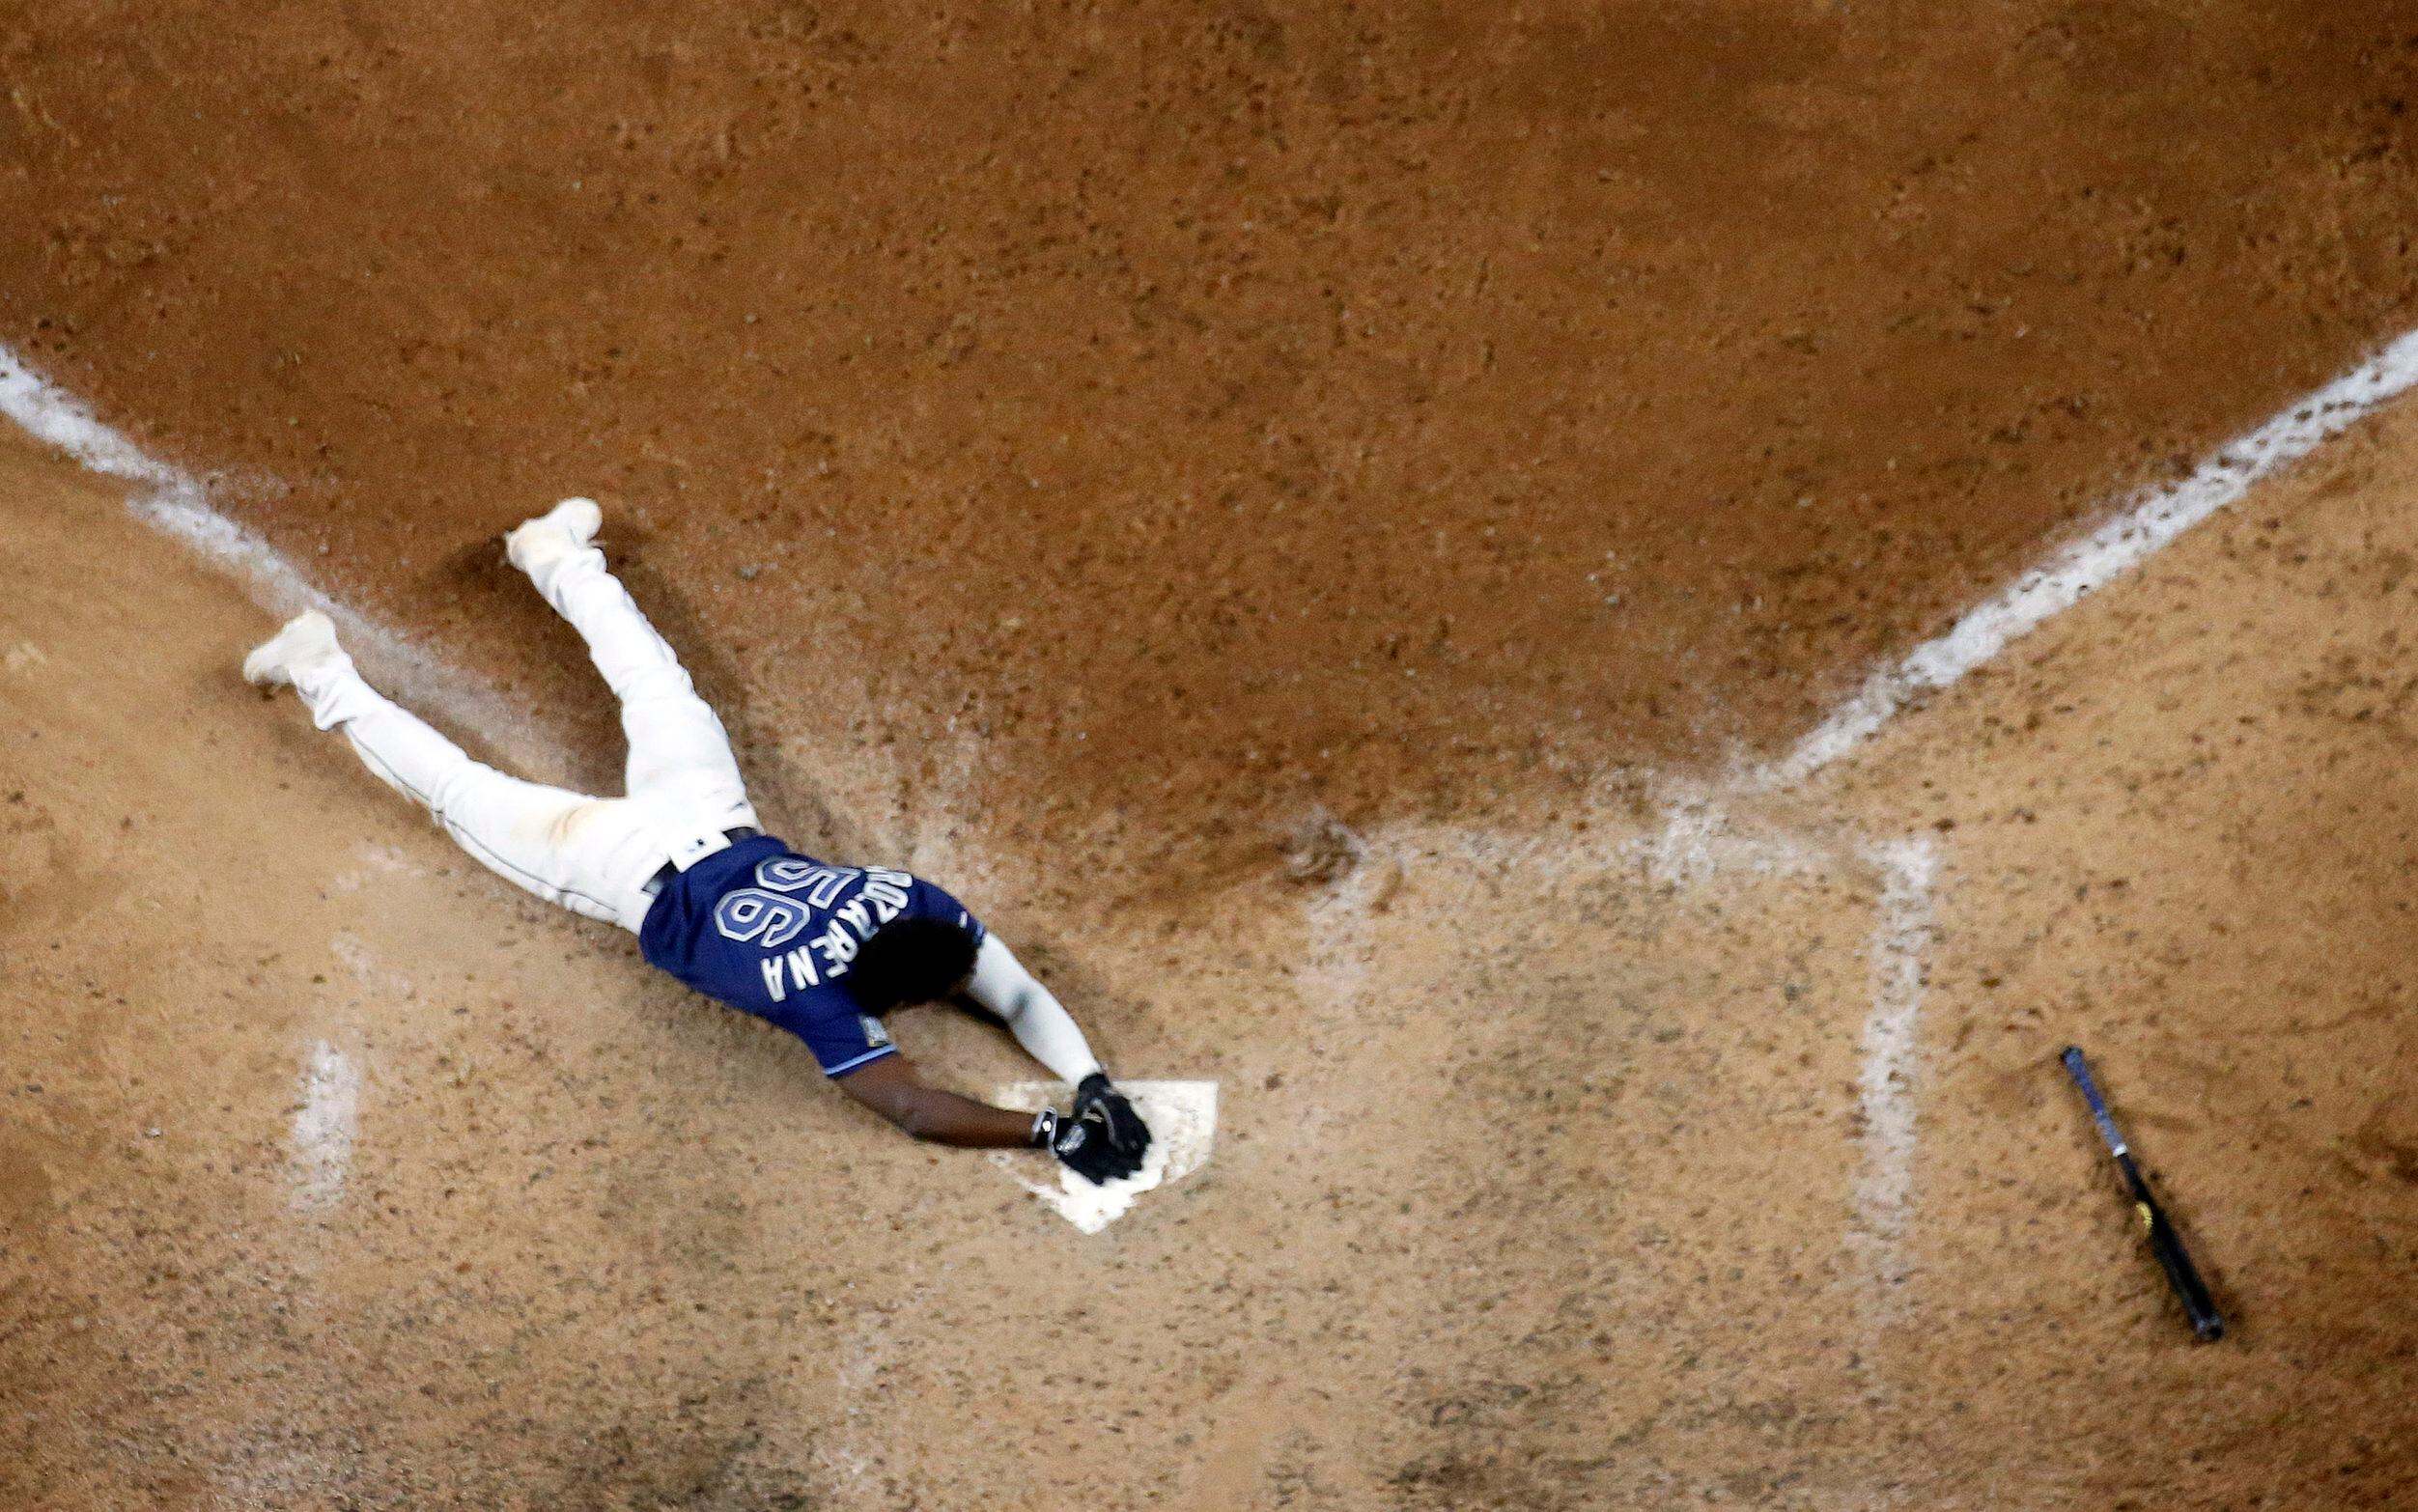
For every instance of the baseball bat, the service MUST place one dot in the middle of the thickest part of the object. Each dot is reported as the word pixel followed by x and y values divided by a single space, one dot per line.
pixel 2206 1324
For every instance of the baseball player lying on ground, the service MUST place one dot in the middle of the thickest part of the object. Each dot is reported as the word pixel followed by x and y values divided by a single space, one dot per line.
pixel 824 951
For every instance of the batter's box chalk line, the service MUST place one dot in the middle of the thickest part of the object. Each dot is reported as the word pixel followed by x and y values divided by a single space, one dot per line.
pixel 1183 1119
pixel 325 1123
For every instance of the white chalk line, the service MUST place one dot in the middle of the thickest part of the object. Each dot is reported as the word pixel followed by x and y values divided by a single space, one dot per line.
pixel 2156 518
pixel 177 504
pixel 1892 1050
pixel 324 1127
pixel 1699 840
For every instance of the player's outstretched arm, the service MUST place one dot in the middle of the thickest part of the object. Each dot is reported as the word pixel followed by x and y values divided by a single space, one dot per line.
pixel 891 1087
pixel 1031 1012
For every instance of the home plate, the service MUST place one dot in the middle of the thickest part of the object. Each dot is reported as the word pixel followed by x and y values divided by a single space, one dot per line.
pixel 1183 1120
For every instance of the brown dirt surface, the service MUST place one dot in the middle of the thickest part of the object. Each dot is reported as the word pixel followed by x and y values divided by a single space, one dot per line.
pixel 1087 460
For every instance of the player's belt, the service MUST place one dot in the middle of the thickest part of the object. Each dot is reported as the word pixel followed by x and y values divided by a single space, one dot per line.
pixel 664 874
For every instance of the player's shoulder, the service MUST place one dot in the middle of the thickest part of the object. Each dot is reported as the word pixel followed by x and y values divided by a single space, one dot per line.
pixel 933 901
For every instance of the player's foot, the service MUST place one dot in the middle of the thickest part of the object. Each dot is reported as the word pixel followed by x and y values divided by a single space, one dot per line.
pixel 556 534
pixel 306 639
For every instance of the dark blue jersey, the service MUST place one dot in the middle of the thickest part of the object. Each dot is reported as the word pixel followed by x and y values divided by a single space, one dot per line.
pixel 772 933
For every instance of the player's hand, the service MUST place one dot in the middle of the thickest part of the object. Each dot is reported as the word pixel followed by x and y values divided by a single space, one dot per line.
pixel 1082 1143
pixel 1126 1130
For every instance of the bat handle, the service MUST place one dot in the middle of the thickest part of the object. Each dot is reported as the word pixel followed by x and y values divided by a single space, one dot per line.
pixel 2099 1115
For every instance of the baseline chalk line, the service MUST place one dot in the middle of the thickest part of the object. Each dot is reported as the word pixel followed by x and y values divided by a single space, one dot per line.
pixel 2153 519
pixel 177 504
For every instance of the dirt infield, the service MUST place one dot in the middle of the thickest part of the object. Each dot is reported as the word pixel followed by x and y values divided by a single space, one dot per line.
pixel 1089 461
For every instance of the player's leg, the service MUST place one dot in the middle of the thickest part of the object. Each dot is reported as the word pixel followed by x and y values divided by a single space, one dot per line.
pixel 678 749
pixel 592 855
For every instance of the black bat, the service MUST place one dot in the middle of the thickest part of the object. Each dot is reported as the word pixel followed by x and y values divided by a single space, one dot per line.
pixel 2206 1324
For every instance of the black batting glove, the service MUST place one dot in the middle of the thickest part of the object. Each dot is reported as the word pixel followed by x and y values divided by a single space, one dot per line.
pixel 1081 1142
pixel 1126 1130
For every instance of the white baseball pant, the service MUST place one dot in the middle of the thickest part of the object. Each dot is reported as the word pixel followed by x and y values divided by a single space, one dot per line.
pixel 593 856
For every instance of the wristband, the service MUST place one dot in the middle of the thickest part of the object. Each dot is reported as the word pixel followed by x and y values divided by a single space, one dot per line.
pixel 1044 1127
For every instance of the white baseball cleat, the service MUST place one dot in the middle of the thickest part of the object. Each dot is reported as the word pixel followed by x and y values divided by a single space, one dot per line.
pixel 559 531
pixel 307 637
